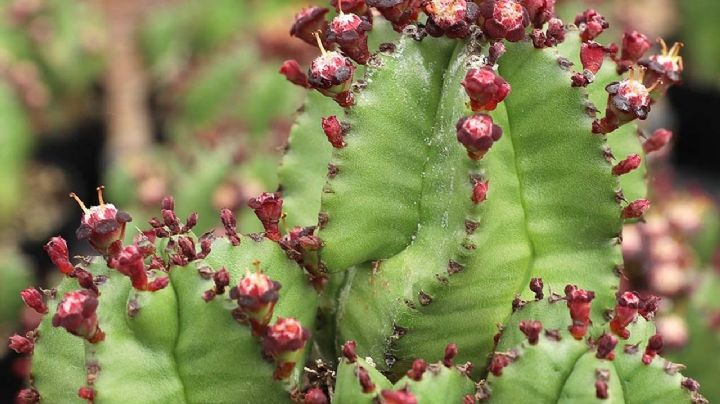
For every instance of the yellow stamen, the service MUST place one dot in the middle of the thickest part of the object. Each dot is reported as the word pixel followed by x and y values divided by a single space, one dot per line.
pixel 256 264
pixel 284 222
pixel 320 45
pixel 663 46
pixel 100 194
pixel 79 202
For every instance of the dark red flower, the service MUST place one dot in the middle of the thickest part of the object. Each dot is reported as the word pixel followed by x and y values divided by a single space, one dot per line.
pixel 497 49
pixel 331 74
pixel 315 395
pixel 657 140
pixel 663 70
pixel 334 131
pixel 627 100
pixel 531 329
pixel 477 133
pixel 591 24
pixel 256 295
pixel 403 396
pixel 654 347
pixel 268 209
pixel 555 33
pixel 350 32
pixel 400 13
pixel 635 209
pixel 539 11
pixel 630 163
pixel 77 314
pixel 452 18
pixel 503 19
pixel 626 311
pixel 302 245
pixel 57 249
pixel 292 72
pixel 308 22
pixel 227 217
pixel 648 307
pixel 20 344
pixel 605 347
pixel 634 46
pixel 485 88
pixel 284 341
pixel 578 301
pixel 34 300
pixel 101 225
pixel 480 189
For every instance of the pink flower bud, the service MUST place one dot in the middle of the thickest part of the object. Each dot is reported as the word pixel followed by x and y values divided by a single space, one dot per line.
pixel 34 300
pixel 630 163
pixel 76 313
pixel 20 344
pixel 485 88
pixel 292 72
pixel 285 341
pixel 539 11
pixel 605 347
pixel 626 311
pixel 480 189
pixel 591 24
pixel 315 395
pixel 657 140
pixel 256 295
pixel 403 396
pixel 634 46
pixel 268 208
pixel 309 21
pixel 101 225
pixel 350 32
pixel 635 209
pixel 592 55
pixel 418 368
pixel 477 133
pixel 400 13
pixel 57 249
pixel 334 131
pixel 504 19
pixel 578 301
pixel 654 347
pixel 531 329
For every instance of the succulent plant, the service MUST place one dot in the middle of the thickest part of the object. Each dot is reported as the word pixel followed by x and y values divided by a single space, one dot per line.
pixel 472 178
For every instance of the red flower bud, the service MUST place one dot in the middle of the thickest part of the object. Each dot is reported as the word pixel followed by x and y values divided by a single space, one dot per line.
pixel 499 361
pixel 101 225
pixel 403 396
pixel 452 18
pixel 349 351
pixel 497 49
pixel 315 395
pixel 28 396
pixel 539 11
pixel 480 189
pixel 57 249
pixel 20 344
pixel 227 217
pixel 592 55
pixel 77 314
pixel 34 300
pixel 268 208
pixel 158 283
pixel 654 347
pixel 536 286
pixel 477 133
pixel 485 88
pixel 531 329
pixel 555 32
pixel 602 377
pixel 663 70
pixel 630 163
pixel 690 384
pixel 504 19
pixel 364 378
pixel 334 131
pixel 605 346
pixel 578 301
pixel 591 24
pixel 308 22
pixel 627 100
pixel 451 351
pixel 292 72
pixel 256 295
pixel 657 140
pixel 418 368
pixel 626 311
pixel 86 393
pixel 635 209
pixel 350 32
pixel 131 263
pixel 634 46
pixel 400 13
pixel 648 307
pixel 285 341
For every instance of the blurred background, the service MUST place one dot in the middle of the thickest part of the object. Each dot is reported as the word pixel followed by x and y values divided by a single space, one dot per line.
pixel 183 97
